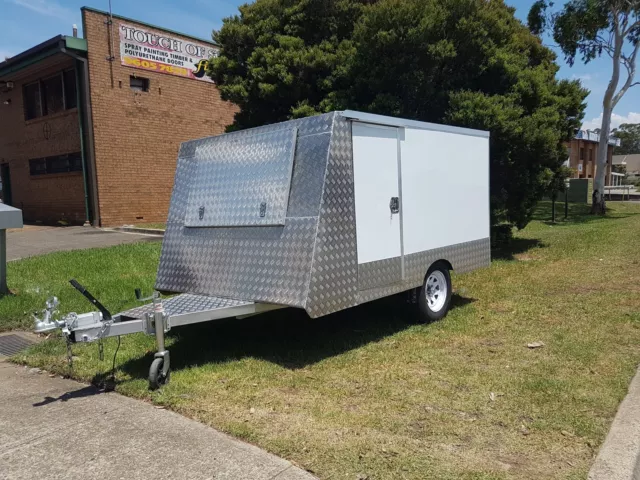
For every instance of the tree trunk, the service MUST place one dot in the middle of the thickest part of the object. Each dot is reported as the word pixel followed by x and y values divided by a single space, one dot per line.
pixel 599 206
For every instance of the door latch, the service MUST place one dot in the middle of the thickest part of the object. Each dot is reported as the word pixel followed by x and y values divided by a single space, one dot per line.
pixel 394 205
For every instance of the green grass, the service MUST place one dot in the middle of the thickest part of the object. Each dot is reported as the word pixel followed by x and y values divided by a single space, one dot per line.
pixel 111 274
pixel 367 391
pixel 156 226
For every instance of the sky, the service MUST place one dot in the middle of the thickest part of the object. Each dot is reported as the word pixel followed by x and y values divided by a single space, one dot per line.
pixel 25 23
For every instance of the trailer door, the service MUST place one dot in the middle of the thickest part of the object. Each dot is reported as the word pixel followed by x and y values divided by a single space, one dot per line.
pixel 377 201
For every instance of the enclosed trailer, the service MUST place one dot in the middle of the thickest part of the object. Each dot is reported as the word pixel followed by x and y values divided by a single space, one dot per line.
pixel 321 213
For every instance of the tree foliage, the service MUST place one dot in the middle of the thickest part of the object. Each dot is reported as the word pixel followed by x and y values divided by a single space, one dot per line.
pixel 461 62
pixel 629 135
pixel 282 59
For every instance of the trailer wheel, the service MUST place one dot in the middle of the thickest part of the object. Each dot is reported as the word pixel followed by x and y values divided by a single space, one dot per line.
pixel 435 294
pixel 156 377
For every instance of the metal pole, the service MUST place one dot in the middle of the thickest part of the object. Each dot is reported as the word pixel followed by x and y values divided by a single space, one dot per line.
pixel 553 209
pixel 566 203
pixel 3 262
pixel 158 317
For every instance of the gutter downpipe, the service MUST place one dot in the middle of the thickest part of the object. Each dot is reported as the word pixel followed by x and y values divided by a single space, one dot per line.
pixel 86 116
pixel 87 221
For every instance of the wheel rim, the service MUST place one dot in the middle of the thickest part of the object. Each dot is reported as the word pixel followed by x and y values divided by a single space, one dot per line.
pixel 436 291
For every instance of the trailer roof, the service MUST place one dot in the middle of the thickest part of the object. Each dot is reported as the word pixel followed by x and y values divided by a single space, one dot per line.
pixel 401 122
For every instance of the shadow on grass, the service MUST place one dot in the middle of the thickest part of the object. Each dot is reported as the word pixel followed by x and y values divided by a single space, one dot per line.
pixel 516 246
pixel 287 337
pixel 458 301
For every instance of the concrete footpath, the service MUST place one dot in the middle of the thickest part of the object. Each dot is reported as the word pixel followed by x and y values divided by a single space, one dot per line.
pixel 619 456
pixel 38 240
pixel 59 429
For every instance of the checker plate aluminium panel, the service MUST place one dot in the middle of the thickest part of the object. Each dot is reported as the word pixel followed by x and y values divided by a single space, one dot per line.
pixel 334 275
pixel 186 303
pixel 269 264
pixel 242 181
pixel 463 257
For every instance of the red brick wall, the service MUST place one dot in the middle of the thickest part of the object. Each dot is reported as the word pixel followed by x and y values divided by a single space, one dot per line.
pixel 590 151
pixel 46 198
pixel 137 134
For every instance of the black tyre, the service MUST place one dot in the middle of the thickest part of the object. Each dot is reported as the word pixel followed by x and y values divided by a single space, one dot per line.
pixel 156 377
pixel 434 296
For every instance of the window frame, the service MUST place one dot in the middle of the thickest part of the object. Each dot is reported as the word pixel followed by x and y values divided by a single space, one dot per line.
pixel 41 94
pixel 64 88
pixel 146 84
pixel 24 99
pixel 48 161
pixel 32 161
pixel 43 102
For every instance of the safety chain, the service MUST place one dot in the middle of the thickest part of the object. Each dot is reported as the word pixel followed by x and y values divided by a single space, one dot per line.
pixel 69 353
pixel 105 326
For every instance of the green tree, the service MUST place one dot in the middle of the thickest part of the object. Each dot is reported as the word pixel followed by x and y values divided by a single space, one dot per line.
pixel 461 62
pixel 282 59
pixel 470 63
pixel 629 135
pixel 588 29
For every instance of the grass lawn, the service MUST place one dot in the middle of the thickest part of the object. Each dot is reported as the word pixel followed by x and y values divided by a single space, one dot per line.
pixel 367 393
pixel 111 274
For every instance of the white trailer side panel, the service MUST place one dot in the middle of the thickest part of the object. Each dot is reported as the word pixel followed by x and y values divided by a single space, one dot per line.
pixel 375 175
pixel 445 185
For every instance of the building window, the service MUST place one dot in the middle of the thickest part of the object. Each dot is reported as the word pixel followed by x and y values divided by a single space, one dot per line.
pixel 37 166
pixel 32 107
pixel 581 153
pixel 70 92
pixel 71 162
pixel 139 84
pixel 51 95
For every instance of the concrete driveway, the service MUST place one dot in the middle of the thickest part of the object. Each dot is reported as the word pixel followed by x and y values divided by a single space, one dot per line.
pixel 37 240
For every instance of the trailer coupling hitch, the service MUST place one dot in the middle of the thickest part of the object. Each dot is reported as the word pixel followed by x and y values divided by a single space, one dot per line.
pixel 47 321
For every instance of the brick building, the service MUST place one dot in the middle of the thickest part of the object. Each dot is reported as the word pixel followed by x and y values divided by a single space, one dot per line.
pixel 90 127
pixel 583 155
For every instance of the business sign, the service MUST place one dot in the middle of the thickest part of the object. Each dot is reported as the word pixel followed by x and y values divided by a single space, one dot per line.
pixel 156 52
